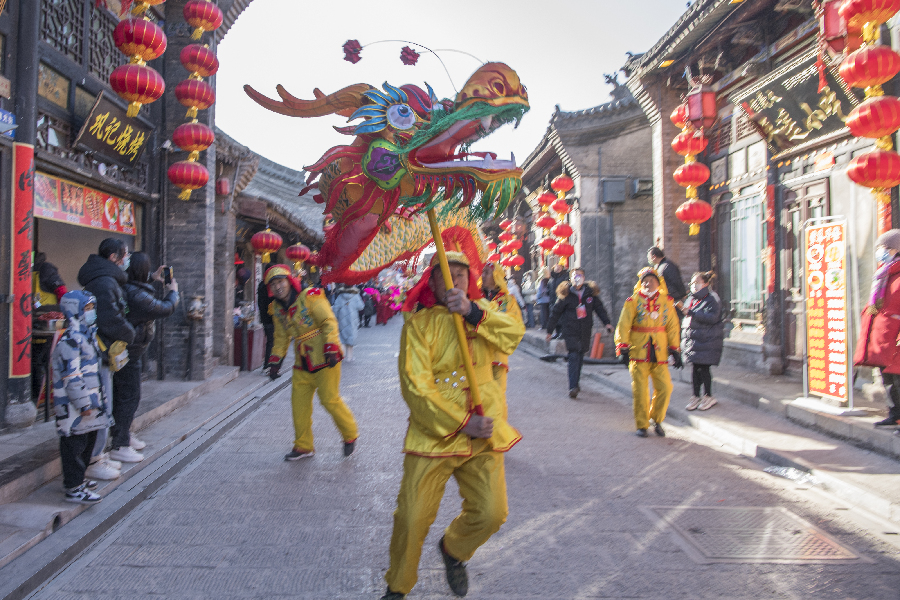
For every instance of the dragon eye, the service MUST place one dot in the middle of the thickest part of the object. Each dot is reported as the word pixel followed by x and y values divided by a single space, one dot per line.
pixel 401 116
pixel 498 87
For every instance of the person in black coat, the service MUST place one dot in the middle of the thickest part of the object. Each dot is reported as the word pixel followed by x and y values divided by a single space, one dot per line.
pixel 263 300
pixel 143 310
pixel 670 273
pixel 573 312
pixel 558 274
pixel 702 336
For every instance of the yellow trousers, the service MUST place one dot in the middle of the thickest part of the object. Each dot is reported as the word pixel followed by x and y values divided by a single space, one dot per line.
pixel 482 485
pixel 328 383
pixel 644 409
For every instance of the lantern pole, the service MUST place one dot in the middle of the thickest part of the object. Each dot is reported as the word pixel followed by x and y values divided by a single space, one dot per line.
pixel 474 393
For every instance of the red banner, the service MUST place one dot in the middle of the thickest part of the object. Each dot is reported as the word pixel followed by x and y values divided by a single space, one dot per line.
pixel 826 310
pixel 61 200
pixel 22 240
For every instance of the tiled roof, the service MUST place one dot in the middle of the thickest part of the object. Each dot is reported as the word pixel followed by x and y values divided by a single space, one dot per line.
pixel 279 186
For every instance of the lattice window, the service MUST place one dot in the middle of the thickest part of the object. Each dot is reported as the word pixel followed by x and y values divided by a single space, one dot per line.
pixel 743 128
pixel 62 26
pixel 53 135
pixel 721 137
pixel 104 55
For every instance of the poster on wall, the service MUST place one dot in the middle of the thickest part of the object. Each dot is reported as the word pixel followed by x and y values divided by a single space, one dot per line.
pixel 61 200
pixel 22 239
pixel 827 344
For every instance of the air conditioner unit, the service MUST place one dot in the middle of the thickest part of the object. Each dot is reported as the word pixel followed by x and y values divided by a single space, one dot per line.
pixel 641 187
pixel 614 190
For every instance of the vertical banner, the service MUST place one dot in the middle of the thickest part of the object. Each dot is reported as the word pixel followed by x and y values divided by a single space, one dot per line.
pixel 22 240
pixel 827 346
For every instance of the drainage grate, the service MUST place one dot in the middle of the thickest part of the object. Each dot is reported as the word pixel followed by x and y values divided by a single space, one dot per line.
pixel 749 534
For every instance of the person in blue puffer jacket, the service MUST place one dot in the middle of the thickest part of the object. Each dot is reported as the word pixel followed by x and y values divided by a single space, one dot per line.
pixel 702 336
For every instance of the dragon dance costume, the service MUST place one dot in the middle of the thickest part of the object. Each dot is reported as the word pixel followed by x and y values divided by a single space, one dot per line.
pixel 433 384
pixel 649 330
pixel 309 321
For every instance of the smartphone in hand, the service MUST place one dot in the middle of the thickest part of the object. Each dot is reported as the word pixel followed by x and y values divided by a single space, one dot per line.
pixel 167 275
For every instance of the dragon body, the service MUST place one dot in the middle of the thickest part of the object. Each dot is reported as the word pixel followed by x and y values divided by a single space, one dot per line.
pixel 408 154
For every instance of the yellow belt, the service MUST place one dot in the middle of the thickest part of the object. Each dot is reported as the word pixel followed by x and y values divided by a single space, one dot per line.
pixel 309 334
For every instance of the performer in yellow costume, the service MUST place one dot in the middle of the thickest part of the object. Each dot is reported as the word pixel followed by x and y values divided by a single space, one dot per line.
pixel 306 317
pixel 647 333
pixel 448 435
pixel 496 291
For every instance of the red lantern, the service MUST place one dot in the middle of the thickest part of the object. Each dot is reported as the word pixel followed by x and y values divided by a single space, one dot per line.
pixel 506 236
pixel 679 116
pixel 139 39
pixel 875 169
pixel 188 176
pixel 547 244
pixel 199 60
pixel 514 244
pixel 564 250
pixel 196 95
pixel 689 143
pixel 870 66
pixel 701 107
pixel 142 5
pixel 491 246
pixel 561 207
pixel 834 30
pixel 266 243
pixel 505 261
pixel 193 138
pixel 505 249
pixel 297 253
pixel 505 224
pixel 203 15
pixel 546 199
pixel 876 117
pixel 545 222
pixel 138 84
pixel 691 175
pixel 223 186
pixel 562 231
pixel 495 257
pixel 562 183
pixel 694 212
pixel 859 12
pixel 516 261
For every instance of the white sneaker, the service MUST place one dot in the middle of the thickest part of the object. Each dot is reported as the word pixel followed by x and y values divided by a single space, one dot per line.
pixel 708 403
pixel 694 403
pixel 102 470
pixel 113 463
pixel 136 443
pixel 126 454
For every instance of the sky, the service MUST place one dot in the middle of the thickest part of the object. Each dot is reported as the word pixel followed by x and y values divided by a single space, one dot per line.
pixel 559 48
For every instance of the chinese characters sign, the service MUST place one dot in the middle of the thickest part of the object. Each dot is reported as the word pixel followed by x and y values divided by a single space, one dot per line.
pixel 22 236
pixel 110 132
pixel 60 200
pixel 788 109
pixel 826 309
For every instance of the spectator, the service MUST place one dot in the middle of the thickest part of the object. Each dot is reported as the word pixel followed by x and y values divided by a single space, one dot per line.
pixel 263 300
pixel 515 292
pixel 558 275
pixel 544 293
pixel 575 305
pixel 529 293
pixel 702 336
pixel 143 310
pixel 669 272
pixel 369 297
pixel 48 290
pixel 347 306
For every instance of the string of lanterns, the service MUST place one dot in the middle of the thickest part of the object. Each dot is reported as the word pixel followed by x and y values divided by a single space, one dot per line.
pixel 141 40
pixel 697 113
pixel 561 184
pixel 546 222
pixel 510 248
pixel 194 93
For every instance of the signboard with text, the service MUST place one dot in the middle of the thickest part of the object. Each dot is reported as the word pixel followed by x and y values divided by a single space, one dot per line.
pixel 827 343
pixel 61 200
pixel 108 131
pixel 22 240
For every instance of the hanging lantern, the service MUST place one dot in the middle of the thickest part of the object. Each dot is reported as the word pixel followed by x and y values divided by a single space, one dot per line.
pixel 505 224
pixel 562 183
pixel 547 244
pixel 505 236
pixel 143 5
pixel 516 261
pixel 138 84
pixel 834 30
pixel 495 257
pixel 491 246
pixel 139 39
pixel 266 243
pixel 562 230
pixel 514 244
pixel 564 250
pixel 561 207
pixel 694 212
pixel 876 117
pixel 504 262
pixel 545 222
pixel 203 15
pixel 194 138
pixel 701 107
pixel 189 176
pixel 875 169
pixel 297 253
pixel 689 143
pixel 196 95
pixel 545 200
pixel 679 116
pixel 870 66
pixel 199 60
pixel 691 175
pixel 859 12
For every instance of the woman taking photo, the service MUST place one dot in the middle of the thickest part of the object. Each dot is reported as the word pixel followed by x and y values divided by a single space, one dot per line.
pixel 702 336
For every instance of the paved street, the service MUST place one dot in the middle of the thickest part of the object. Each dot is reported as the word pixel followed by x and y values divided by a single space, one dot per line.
pixel 241 523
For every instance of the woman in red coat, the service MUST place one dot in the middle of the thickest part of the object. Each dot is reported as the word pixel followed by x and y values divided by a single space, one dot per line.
pixel 880 324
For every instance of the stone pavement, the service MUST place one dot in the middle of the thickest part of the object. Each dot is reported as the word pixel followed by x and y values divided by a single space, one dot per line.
pixel 238 522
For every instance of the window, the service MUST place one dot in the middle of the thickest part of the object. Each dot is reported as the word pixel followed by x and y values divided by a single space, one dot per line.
pixel 748 241
pixel 53 86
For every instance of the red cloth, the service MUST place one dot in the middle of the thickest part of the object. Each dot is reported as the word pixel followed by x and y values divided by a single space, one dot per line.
pixel 384 311
pixel 878 335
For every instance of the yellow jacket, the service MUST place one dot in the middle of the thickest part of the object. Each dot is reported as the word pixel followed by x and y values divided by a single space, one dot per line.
pixel 648 321
pixel 311 322
pixel 504 302
pixel 433 379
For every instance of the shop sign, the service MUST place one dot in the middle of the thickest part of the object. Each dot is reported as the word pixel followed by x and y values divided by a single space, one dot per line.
pixel 7 124
pixel 788 108
pixel 22 239
pixel 108 131
pixel 827 344
pixel 61 200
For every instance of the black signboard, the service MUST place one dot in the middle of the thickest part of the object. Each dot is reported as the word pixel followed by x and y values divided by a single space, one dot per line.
pixel 108 131
pixel 790 110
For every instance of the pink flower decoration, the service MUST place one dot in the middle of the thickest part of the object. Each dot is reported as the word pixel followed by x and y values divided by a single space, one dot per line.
pixel 408 56
pixel 352 50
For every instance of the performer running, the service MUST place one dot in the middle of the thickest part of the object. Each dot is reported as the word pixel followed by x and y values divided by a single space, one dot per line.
pixel 307 318
pixel 447 435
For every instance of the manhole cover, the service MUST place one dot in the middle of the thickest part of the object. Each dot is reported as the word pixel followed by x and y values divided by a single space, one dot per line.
pixel 749 534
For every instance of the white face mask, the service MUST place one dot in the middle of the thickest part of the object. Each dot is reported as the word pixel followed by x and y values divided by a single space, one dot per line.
pixel 577 280
pixel 90 317
pixel 883 255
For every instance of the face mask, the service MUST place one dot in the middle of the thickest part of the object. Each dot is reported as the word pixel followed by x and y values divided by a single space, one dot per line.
pixel 126 263
pixel 577 280
pixel 883 255
pixel 90 317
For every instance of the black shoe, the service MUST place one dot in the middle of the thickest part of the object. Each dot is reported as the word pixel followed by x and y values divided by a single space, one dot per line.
pixel 296 454
pixel 389 595
pixel 641 432
pixel 348 447
pixel 573 393
pixel 555 336
pixel 889 422
pixel 456 572
pixel 659 430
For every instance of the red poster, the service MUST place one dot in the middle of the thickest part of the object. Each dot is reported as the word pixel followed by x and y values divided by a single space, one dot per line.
pixel 61 200
pixel 22 237
pixel 826 310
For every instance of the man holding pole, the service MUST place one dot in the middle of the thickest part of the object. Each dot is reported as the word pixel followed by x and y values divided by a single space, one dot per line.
pixel 455 429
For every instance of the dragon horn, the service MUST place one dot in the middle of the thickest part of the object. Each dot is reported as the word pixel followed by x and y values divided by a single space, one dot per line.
pixel 342 101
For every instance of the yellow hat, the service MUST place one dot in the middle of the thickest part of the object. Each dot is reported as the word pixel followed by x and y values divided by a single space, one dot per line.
pixel 458 258
pixel 276 271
